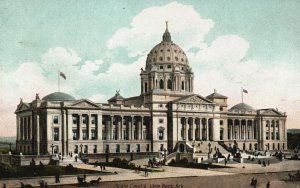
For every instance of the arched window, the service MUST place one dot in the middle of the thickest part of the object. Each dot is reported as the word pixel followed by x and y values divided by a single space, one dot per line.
pixel 169 84
pixel 161 84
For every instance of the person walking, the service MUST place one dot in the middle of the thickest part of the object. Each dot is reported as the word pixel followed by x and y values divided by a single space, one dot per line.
pixel 268 184
pixel 146 172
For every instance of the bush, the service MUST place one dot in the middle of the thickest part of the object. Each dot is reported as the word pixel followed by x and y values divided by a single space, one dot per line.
pixel 183 161
pixel 116 162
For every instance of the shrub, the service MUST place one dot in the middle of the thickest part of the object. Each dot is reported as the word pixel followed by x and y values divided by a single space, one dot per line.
pixel 183 161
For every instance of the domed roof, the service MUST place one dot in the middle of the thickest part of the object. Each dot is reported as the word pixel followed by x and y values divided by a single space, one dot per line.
pixel 166 52
pixel 241 107
pixel 59 96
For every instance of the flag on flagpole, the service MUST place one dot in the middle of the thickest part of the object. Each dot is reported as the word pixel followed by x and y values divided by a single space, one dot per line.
pixel 245 91
pixel 62 75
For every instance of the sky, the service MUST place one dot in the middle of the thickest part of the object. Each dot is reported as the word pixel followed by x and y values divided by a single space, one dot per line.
pixel 101 46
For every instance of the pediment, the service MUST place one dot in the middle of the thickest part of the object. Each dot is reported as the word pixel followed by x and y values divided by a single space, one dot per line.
pixel 271 112
pixel 194 99
pixel 84 104
pixel 22 107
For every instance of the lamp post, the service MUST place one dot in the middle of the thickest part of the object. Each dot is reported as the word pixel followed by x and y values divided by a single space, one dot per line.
pixel 52 146
pixel 81 148
pixel 209 149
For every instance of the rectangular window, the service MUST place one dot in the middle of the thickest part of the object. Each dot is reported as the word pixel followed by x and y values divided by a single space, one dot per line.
pixel 118 148
pixel 221 122
pixel 76 149
pixel 84 118
pixel 84 136
pixel 138 148
pixel 277 135
pixel 85 149
pixel 267 135
pixel 161 134
pixel 161 67
pixel 93 134
pixel 74 118
pixel 161 147
pixel 56 134
pixel 75 135
pixel 148 148
pixel 128 148
pixel 95 149
pixel 221 108
pixel 93 120
pixel 55 119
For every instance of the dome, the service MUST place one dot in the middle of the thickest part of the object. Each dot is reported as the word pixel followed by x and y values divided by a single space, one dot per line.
pixel 241 107
pixel 166 52
pixel 59 96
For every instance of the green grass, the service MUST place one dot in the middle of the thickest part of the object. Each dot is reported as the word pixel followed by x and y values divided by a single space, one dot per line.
pixel 9 171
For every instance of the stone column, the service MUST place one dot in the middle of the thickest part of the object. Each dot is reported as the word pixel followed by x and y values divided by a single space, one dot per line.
pixel 194 129
pixel 142 128
pixel 139 130
pixel 89 127
pixel 99 127
pixel 18 128
pixel 69 127
pixel 80 126
pixel 132 128
pixel 186 129
pixel 110 127
pixel 38 134
pixel 119 124
pixel 200 130
pixel 207 130
pixel 29 128
pixel 274 130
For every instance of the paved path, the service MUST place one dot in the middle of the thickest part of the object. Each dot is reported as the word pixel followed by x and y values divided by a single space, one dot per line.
pixel 125 174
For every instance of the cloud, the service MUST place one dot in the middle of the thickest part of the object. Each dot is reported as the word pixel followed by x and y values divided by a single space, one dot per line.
pixel 184 23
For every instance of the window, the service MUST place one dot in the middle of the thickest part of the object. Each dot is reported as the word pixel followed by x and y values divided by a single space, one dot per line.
pixel 118 148
pixel 221 108
pixel 138 148
pixel 161 120
pixel 93 134
pixel 147 147
pixel 161 147
pixel 93 119
pixel 277 135
pixel 161 67
pixel 161 134
pixel 169 84
pixel 267 135
pixel 56 134
pixel 84 119
pixel 95 149
pixel 146 87
pixel 128 148
pixel 168 58
pixel 75 135
pixel 182 85
pixel 176 58
pixel 55 119
pixel 221 122
pixel 160 58
pixel 85 149
pixel 161 84
pixel 84 136
pixel 74 119
pixel 76 149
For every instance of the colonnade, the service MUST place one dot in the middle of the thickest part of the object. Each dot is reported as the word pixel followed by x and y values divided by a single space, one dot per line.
pixel 241 129
pixel 24 128
pixel 196 129
pixel 125 127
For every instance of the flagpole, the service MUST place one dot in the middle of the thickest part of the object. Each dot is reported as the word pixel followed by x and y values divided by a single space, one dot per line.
pixel 242 94
pixel 58 78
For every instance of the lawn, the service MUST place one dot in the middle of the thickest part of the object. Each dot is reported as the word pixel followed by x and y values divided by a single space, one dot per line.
pixel 9 171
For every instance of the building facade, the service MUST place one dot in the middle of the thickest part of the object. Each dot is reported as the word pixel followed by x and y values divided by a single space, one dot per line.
pixel 167 115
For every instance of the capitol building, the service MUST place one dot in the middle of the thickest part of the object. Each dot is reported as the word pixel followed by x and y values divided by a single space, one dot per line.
pixel 166 116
